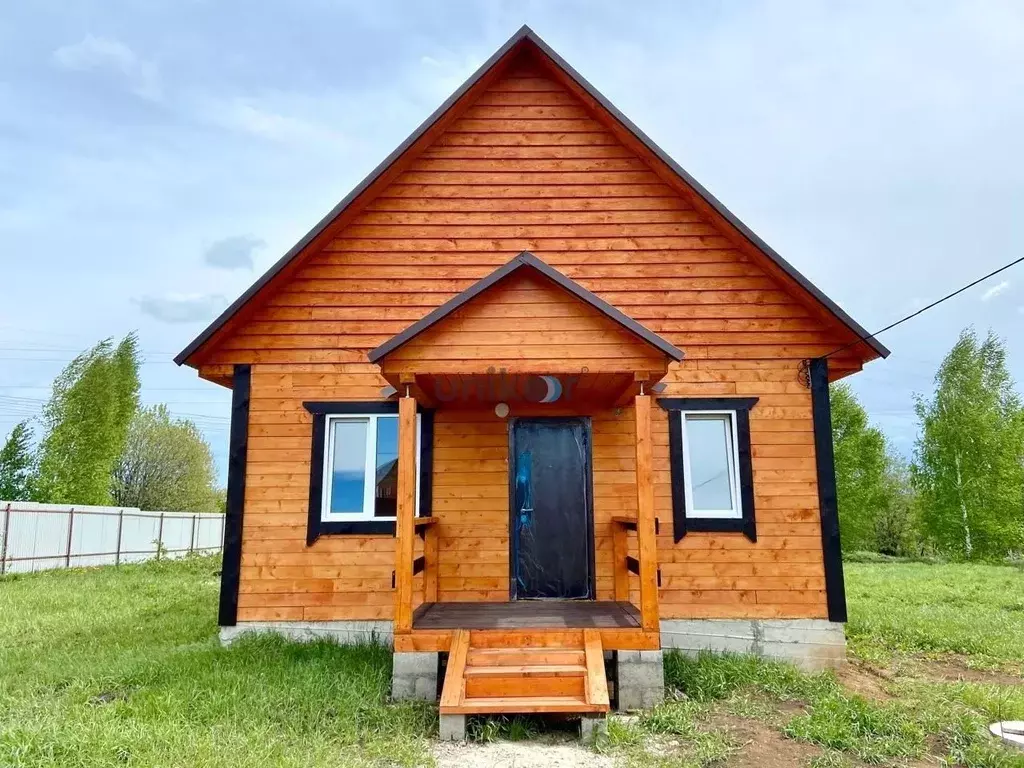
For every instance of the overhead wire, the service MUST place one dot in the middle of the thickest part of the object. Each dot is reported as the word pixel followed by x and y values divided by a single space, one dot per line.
pixel 922 310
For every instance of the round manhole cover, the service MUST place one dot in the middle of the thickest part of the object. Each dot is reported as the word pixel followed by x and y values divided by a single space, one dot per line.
pixel 1010 731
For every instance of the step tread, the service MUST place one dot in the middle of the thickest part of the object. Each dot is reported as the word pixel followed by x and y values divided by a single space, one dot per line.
pixel 527 670
pixel 525 656
pixel 523 704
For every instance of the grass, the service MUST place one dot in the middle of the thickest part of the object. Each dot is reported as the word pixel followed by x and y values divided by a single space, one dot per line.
pixel 913 608
pixel 921 719
pixel 121 667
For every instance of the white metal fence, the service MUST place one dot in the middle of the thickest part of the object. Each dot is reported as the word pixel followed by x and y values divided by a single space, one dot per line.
pixel 34 537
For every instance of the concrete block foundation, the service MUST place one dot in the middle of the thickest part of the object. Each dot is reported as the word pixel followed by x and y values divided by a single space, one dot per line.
pixel 341 632
pixel 414 677
pixel 811 644
pixel 452 728
pixel 591 727
pixel 641 679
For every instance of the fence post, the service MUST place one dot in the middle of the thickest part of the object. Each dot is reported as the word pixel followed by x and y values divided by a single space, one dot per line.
pixel 192 538
pixel 160 536
pixel 120 525
pixel 71 530
pixel 3 541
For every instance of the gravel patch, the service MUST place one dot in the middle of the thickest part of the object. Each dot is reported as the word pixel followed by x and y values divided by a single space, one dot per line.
pixel 520 754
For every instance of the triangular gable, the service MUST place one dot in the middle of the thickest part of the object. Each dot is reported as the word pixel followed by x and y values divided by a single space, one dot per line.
pixel 629 134
pixel 526 262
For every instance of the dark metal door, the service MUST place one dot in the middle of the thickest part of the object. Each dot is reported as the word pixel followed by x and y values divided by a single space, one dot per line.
pixel 552 534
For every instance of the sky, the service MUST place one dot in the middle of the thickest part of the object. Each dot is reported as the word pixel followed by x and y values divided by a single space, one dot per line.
pixel 157 157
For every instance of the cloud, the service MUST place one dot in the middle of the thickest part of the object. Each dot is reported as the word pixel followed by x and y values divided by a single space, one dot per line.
pixel 182 307
pixel 233 252
pixel 995 290
pixel 244 115
pixel 101 54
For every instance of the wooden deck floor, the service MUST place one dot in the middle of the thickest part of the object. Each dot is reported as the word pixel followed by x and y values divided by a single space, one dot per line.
pixel 528 614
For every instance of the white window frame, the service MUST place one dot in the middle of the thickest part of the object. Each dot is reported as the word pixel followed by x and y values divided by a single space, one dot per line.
pixel 736 513
pixel 369 468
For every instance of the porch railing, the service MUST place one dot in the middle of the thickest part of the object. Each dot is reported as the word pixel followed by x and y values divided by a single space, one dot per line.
pixel 645 565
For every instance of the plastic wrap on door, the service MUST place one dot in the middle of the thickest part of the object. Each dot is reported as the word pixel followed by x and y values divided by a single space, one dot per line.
pixel 551 526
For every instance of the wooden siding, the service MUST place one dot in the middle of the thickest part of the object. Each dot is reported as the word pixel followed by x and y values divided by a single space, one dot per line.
pixel 527 167
pixel 551 331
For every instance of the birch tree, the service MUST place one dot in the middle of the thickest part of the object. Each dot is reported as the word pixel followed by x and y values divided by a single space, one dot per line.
pixel 860 469
pixel 875 499
pixel 969 456
pixel 86 422
pixel 16 464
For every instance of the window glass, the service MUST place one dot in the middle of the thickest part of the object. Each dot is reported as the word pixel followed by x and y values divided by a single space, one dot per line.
pixel 348 470
pixel 386 496
pixel 709 439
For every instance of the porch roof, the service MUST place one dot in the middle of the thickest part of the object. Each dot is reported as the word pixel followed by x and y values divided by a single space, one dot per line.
pixel 526 261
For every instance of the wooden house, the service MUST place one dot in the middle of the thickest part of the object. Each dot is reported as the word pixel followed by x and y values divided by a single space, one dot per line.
pixel 532 405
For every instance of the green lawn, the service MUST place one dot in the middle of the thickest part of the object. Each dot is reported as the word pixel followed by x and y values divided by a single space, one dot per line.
pixel 121 667
pixel 913 608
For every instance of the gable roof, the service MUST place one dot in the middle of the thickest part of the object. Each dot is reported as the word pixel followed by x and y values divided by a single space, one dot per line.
pixel 526 37
pixel 526 260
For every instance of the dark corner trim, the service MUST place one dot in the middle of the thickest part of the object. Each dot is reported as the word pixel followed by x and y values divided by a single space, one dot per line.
pixel 230 572
pixel 528 260
pixel 831 547
pixel 315 527
pixel 681 524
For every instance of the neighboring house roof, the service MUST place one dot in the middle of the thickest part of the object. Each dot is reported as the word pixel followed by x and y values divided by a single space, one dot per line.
pixel 526 36
pixel 526 260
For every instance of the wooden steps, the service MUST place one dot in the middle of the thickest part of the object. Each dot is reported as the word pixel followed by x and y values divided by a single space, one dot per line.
pixel 525 673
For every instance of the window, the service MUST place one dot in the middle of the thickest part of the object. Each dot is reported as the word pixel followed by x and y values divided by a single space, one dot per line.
pixel 712 475
pixel 710 463
pixel 353 484
pixel 361 467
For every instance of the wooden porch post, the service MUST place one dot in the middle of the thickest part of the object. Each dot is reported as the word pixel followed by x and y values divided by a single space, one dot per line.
pixel 404 533
pixel 646 540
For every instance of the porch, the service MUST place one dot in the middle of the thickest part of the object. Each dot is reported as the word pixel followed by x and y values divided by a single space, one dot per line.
pixel 528 614
pixel 533 483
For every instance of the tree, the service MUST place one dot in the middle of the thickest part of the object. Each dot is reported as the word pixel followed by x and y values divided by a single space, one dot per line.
pixel 861 464
pixel 16 464
pixel 86 423
pixel 166 465
pixel 969 456
pixel 896 530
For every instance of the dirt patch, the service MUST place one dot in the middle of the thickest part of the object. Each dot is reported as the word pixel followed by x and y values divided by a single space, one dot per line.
pixel 760 746
pixel 538 753
pixel 952 669
pixel 864 680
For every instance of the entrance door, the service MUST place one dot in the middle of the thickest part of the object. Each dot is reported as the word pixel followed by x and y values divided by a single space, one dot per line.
pixel 551 528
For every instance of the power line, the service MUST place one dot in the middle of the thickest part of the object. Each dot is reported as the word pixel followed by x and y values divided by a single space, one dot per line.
pixel 926 308
pixel 69 359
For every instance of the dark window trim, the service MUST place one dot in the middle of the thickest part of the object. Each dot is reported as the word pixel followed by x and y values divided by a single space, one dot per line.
pixel 315 527
pixel 231 566
pixel 828 505
pixel 681 524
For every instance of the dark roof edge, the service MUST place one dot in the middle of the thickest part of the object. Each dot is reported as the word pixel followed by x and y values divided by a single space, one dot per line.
pixel 711 200
pixel 526 259
pixel 336 211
